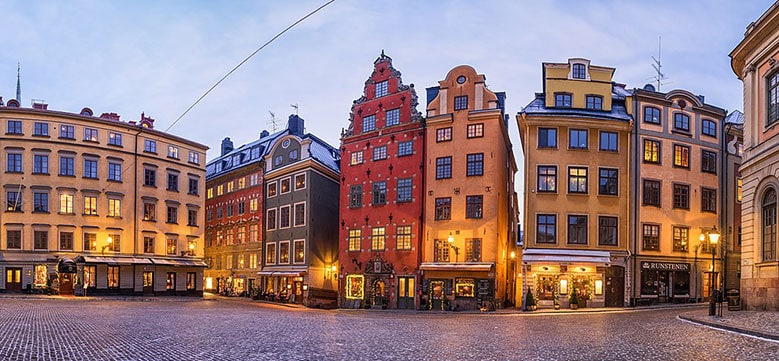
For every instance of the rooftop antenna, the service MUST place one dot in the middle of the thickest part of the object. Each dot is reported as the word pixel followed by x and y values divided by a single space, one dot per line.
pixel 19 82
pixel 660 75
pixel 295 106
pixel 273 121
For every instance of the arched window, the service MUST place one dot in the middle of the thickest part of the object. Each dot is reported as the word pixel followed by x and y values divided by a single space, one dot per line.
pixel 769 225
pixel 579 71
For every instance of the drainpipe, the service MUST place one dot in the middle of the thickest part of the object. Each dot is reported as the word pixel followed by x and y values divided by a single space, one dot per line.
pixel 135 202
pixel 634 216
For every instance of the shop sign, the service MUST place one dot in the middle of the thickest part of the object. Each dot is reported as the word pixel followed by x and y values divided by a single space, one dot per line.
pixel 665 266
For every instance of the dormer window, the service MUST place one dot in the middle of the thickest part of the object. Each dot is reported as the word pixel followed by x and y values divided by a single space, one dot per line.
pixel 594 102
pixel 562 100
pixel 579 71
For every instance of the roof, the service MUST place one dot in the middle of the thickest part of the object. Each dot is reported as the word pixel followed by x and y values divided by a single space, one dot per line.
pixel 618 111
pixel 242 156
pixel 329 156
pixel 735 117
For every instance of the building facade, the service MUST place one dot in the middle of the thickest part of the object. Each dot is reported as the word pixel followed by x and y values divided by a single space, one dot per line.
pixel 732 151
pixel 95 205
pixel 470 206
pixel 575 136
pixel 677 196
pixel 300 242
pixel 234 217
pixel 754 62
pixel 381 218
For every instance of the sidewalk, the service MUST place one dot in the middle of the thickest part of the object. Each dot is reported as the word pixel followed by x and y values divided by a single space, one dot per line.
pixel 755 323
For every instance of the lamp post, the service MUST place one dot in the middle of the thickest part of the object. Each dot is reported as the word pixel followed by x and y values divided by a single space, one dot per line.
pixel 108 242
pixel 456 249
pixel 713 238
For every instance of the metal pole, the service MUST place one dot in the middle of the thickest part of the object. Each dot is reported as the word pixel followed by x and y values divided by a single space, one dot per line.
pixel 712 301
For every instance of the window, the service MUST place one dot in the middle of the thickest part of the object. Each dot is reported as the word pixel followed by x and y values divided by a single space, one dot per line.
pixel 379 192
pixel 66 203
pixel 241 207
pixel 40 164
pixel 546 228
pixel 272 189
pixel 241 182
pixel 773 99
pixel 651 151
pixel 739 189
pixel 405 148
pixel 67 132
pixel 300 251
pixel 547 137
pixel 608 142
pixel 278 160
pixel 476 130
pixel 651 115
pixel 90 168
pixel 354 239
pixel 441 251
pixel 594 102
pixel 40 202
pixel 90 135
pixel 577 180
pixel 577 229
pixel 681 122
pixel 579 72
pixel 173 152
pixel 355 196
pixel 651 193
pixel 681 239
pixel 66 166
pixel 369 123
pixel 41 129
pixel 708 200
pixel 253 205
pixel 149 211
pixel 148 244
pixel 651 237
pixel 708 161
pixel 171 247
pixel 194 157
pixel 115 139
pixel 13 201
pixel 150 146
pixel 443 169
pixel 191 281
pixel 66 241
pixel 13 239
pixel 377 238
pixel 357 158
pixel 13 163
pixel 475 164
pixel 271 221
pixel 284 252
pixel 380 153
pixel 14 127
pixel 90 205
pixel 219 213
pixel 461 102
pixel 192 217
pixel 172 215
pixel 473 250
pixel 149 177
pixel 90 241
pixel 354 287
pixel 547 178
pixel 405 186
pixel 443 208
pixel 473 206
pixel 403 237
pixel 114 172
pixel 608 181
pixel 300 214
pixel 393 117
pixel 254 232
pixel 577 139
pixel 443 134
pixel 114 207
pixel 681 156
pixel 113 276
pixel 173 182
pixel 194 186
pixel 681 196
pixel 708 127
pixel 381 88
pixel 562 100
pixel 284 216
pixel 769 220
pixel 607 231
pixel 40 240
pixel 230 186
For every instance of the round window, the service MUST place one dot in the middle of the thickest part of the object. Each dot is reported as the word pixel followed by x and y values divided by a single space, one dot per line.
pixel 460 79
pixel 285 143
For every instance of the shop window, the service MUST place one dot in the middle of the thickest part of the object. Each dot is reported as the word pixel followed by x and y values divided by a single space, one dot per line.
pixel 41 276
pixel 464 287
pixel 113 277
pixel 90 276
pixel 354 287
pixel 547 287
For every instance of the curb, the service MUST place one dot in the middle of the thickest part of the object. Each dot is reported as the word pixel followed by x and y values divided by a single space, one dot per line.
pixel 730 328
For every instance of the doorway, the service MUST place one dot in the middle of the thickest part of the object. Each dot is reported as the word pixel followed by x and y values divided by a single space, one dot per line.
pixel 406 292
pixel 66 284
pixel 437 295
pixel 13 280
pixel 148 283
pixel 615 286
pixel 378 293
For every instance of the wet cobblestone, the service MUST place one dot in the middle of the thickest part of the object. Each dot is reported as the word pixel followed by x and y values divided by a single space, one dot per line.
pixel 52 329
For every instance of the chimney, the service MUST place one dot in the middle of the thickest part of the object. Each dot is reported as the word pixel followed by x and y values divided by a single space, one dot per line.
pixel 263 134
pixel 109 116
pixel 227 146
pixel 702 99
pixel 39 104
pixel 295 125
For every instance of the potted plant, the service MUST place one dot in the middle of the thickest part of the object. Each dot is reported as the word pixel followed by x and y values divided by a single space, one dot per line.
pixel 573 300
pixel 530 301
pixel 556 300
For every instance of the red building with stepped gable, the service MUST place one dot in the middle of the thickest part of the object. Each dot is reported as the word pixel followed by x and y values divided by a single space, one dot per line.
pixel 381 189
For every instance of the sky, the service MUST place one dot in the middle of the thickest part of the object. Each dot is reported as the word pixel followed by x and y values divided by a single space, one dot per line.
pixel 159 57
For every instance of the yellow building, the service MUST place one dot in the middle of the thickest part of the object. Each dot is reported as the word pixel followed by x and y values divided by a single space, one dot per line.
pixel 575 137
pixel 97 205
pixel 470 205
pixel 754 61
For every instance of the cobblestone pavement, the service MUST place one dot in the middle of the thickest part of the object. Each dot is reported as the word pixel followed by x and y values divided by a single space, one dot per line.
pixel 760 324
pixel 73 329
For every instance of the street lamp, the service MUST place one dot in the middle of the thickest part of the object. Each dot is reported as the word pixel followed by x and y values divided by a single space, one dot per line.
pixel 713 238
pixel 108 242
pixel 191 248
pixel 456 249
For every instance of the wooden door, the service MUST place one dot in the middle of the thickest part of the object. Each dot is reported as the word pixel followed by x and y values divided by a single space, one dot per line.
pixel 148 283
pixel 615 286
pixel 406 292
pixel 13 280
pixel 66 283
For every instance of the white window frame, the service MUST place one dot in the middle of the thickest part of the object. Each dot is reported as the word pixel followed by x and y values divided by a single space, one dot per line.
pixel 294 207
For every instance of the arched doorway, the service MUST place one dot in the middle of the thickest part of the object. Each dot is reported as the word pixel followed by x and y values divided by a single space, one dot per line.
pixel 379 299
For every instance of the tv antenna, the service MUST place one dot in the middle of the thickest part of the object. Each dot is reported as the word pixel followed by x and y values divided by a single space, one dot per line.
pixel 295 106
pixel 660 76
pixel 273 121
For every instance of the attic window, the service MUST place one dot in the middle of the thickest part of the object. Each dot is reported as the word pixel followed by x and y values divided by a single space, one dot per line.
pixel 579 71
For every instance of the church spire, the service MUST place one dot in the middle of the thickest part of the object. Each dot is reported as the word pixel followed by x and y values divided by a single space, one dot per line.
pixel 18 83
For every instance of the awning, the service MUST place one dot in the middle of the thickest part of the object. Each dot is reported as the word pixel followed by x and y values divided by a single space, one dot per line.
pixel 116 260
pixel 25 257
pixel 283 272
pixel 478 267
pixel 178 262
pixel 566 256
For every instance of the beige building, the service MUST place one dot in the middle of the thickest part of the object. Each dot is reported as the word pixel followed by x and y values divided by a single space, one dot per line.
pixel 754 61
pixel 97 205
pixel 575 137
